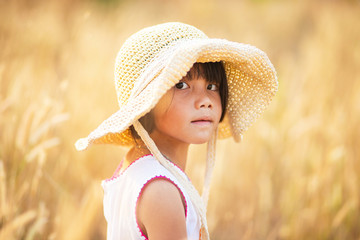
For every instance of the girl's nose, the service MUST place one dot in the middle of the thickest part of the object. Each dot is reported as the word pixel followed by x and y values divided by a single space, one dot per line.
pixel 203 100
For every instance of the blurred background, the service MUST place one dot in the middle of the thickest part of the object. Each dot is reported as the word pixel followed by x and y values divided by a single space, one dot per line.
pixel 295 175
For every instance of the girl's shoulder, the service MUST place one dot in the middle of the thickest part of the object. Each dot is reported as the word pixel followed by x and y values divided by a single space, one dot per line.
pixel 162 209
pixel 161 203
pixel 142 170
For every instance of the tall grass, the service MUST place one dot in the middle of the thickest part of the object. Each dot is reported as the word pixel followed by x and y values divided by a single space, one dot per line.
pixel 294 176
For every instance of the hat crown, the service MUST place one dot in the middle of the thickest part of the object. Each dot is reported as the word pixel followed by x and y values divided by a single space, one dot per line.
pixel 142 48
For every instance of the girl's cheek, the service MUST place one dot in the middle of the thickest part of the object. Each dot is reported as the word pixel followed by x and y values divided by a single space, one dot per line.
pixel 164 103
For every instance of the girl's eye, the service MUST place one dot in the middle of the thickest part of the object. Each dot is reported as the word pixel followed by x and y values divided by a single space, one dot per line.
pixel 212 87
pixel 181 85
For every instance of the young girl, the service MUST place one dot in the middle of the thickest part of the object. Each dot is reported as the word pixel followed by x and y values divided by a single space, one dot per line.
pixel 175 87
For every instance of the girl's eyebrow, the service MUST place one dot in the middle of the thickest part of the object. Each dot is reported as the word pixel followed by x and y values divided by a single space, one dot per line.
pixel 186 78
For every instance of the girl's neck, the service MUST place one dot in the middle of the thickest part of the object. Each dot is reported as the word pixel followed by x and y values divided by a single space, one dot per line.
pixel 173 150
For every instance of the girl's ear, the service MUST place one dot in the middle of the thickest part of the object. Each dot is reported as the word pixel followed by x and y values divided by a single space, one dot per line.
pixel 147 121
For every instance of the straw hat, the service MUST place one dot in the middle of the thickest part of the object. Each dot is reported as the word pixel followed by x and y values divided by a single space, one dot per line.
pixel 156 58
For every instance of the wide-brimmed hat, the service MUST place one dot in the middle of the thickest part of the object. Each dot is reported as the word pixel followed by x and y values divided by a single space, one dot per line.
pixel 156 58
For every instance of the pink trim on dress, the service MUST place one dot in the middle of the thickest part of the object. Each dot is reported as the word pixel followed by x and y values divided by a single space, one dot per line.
pixel 117 172
pixel 142 189
pixel 179 169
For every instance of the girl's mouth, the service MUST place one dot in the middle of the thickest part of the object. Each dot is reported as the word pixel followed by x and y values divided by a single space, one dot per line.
pixel 202 122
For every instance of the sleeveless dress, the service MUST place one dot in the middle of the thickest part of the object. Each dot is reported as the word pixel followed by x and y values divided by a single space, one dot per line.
pixel 121 194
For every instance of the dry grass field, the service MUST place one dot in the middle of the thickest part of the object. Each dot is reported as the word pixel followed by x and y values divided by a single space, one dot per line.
pixel 295 175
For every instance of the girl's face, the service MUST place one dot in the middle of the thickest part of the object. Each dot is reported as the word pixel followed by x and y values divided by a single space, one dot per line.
pixel 189 112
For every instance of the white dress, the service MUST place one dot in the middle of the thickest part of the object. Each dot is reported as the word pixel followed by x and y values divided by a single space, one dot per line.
pixel 122 192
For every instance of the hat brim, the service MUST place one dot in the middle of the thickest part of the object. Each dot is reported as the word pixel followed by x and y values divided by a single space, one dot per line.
pixel 252 83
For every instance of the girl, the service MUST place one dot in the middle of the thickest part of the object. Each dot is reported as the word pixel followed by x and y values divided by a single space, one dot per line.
pixel 175 87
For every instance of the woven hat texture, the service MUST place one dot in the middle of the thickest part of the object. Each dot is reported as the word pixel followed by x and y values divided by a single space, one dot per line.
pixel 154 59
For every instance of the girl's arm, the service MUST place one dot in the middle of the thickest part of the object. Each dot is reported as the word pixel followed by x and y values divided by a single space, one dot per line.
pixel 161 211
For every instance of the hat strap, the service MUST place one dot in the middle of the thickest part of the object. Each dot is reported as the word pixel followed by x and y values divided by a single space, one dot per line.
pixel 184 181
pixel 210 163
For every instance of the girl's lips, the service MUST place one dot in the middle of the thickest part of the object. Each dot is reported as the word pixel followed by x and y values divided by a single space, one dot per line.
pixel 202 121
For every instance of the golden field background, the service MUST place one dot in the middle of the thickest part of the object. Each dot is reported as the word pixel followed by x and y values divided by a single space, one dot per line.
pixel 296 173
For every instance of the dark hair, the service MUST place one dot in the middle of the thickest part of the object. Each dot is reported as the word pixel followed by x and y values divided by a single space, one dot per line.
pixel 214 72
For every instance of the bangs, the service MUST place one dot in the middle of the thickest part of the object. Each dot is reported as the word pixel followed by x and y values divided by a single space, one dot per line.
pixel 212 71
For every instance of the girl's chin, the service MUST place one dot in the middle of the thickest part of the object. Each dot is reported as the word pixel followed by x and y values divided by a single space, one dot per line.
pixel 201 140
pixel 204 137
